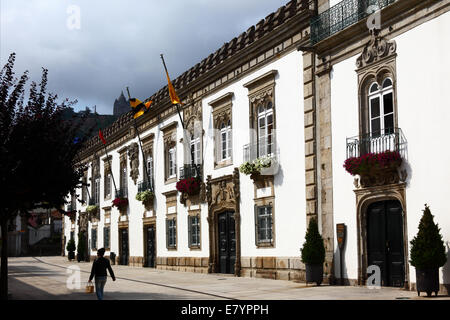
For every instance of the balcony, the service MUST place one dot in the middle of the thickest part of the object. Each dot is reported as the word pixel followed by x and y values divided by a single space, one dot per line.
pixel 377 142
pixel 122 193
pixel 262 157
pixel 343 15
pixel 93 202
pixel 146 185
pixel 191 171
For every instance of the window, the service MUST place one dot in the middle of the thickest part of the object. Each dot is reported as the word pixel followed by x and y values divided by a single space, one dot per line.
pixel 196 150
pixel 96 195
pixel 225 141
pixel 72 235
pixel 265 129
pixel 94 239
pixel 171 233
pixel 124 180
pixel 381 108
pixel 106 231
pixel 172 164
pixel 107 185
pixel 149 166
pixel 194 231
pixel 264 224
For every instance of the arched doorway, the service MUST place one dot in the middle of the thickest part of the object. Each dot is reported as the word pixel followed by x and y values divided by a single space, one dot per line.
pixel 385 241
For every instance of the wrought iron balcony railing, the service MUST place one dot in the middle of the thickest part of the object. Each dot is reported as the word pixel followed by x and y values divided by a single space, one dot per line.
pixel 146 185
pixel 191 171
pixel 93 201
pixel 122 193
pixel 376 142
pixel 253 151
pixel 343 15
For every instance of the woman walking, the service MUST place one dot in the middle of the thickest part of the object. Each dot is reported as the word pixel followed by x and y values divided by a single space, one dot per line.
pixel 99 272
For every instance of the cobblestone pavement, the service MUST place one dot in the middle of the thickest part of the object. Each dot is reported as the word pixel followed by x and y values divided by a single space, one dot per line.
pixel 45 278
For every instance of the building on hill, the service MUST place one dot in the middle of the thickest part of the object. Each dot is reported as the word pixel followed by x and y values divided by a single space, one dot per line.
pixel 121 105
pixel 313 84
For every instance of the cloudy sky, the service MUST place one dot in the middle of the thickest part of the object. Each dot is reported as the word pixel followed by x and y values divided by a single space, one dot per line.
pixel 117 43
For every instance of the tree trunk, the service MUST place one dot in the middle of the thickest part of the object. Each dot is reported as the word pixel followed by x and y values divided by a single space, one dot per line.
pixel 4 261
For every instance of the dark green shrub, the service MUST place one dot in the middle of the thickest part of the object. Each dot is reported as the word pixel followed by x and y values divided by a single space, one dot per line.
pixel 427 247
pixel 81 245
pixel 313 251
pixel 71 245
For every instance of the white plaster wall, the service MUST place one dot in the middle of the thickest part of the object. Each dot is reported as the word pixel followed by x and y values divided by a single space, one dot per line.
pixel 423 83
pixel 423 115
pixel 289 182
pixel 289 212
pixel 344 124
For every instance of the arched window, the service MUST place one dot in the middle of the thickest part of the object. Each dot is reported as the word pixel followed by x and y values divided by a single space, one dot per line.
pixel 265 129
pixel 381 108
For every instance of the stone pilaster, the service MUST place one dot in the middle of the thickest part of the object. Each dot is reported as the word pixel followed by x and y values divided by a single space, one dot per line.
pixel 324 161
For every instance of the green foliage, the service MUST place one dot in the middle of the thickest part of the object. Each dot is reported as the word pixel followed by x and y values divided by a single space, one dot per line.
pixel 427 247
pixel 145 196
pixel 93 209
pixel 81 244
pixel 313 251
pixel 255 165
pixel 71 245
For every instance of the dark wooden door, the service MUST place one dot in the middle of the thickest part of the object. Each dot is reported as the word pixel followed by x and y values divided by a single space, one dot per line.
pixel 150 247
pixel 385 241
pixel 124 252
pixel 227 242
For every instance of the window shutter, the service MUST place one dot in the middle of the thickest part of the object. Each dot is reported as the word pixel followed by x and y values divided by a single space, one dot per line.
pixel 271 224
pixel 189 231
pixel 174 232
pixel 256 225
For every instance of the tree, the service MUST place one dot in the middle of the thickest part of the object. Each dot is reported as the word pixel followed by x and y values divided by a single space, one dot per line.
pixel 313 251
pixel 38 152
pixel 427 247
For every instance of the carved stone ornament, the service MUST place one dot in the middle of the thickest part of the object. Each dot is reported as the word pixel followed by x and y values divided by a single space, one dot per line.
pixel 376 49
pixel 133 155
pixel 192 114
pixel 262 96
pixel 83 221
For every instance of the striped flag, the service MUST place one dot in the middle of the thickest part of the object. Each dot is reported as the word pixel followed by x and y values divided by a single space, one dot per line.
pixel 139 107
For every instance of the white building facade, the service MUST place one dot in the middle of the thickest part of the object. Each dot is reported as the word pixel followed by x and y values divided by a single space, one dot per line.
pixel 292 93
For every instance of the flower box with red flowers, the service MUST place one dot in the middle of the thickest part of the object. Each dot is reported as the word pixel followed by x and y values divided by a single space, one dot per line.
pixel 120 203
pixel 372 164
pixel 190 186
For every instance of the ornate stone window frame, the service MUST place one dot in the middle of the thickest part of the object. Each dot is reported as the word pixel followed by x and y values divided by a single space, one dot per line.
pixel 133 156
pixel 193 119
pixel 171 214
pixel 376 63
pixel 95 174
pixel 264 192
pixel 107 224
pixel 106 175
pixel 170 141
pixel 222 113
pixel 260 91
pixel 195 213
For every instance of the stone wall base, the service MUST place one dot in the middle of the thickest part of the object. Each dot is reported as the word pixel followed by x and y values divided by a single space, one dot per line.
pixel 276 268
pixel 184 264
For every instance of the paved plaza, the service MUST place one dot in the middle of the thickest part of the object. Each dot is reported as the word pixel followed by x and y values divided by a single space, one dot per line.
pixel 45 278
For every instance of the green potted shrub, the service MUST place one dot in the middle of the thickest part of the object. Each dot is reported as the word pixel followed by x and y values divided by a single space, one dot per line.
pixel 81 247
pixel 313 253
pixel 71 249
pixel 146 197
pixel 427 254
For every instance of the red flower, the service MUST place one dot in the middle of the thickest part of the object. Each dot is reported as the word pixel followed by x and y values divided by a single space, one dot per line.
pixel 372 161
pixel 120 202
pixel 188 185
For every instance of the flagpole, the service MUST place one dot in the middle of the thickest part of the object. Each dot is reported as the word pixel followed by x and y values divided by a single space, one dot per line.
pixel 109 161
pixel 182 123
pixel 140 144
